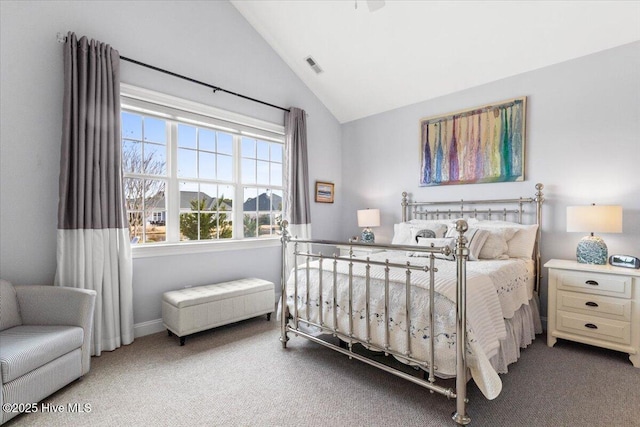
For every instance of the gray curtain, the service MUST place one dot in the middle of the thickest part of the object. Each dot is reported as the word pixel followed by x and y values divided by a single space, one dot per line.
pixel 296 180
pixel 93 247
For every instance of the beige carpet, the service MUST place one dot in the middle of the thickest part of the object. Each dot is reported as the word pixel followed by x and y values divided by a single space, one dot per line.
pixel 239 375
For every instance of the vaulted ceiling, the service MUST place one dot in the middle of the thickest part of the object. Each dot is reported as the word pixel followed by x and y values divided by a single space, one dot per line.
pixel 410 51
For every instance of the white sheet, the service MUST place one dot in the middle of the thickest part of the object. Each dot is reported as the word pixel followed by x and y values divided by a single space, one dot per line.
pixel 495 290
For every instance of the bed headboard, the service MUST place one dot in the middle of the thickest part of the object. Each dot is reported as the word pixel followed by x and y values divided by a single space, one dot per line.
pixel 494 209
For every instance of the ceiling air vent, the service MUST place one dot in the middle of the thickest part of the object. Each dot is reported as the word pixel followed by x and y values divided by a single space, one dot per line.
pixel 313 64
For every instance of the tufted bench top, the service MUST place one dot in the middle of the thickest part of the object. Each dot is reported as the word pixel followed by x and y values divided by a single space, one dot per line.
pixel 219 291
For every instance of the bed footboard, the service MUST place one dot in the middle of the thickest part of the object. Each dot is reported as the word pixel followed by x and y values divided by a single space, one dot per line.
pixel 325 294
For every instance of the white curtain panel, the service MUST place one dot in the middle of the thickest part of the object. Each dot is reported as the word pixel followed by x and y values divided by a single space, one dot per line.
pixel 93 246
pixel 296 180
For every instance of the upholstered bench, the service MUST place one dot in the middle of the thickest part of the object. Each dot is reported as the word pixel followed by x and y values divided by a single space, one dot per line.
pixel 190 310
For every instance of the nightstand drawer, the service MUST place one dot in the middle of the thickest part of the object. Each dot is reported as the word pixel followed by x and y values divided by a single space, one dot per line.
pixel 609 307
pixel 595 327
pixel 596 283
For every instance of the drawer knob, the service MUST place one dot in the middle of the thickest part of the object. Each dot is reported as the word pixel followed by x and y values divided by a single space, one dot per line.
pixel 590 326
pixel 591 304
pixel 591 282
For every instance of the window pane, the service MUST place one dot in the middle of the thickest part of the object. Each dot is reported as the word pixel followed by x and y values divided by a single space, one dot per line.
pixel 131 156
pixel 189 226
pixel 142 198
pixel 263 172
pixel 250 225
pixel 208 197
pixel 224 206
pixel 187 163
pixel 248 147
pixel 225 167
pixel 207 163
pixel 155 159
pixel 155 130
pixel 276 174
pixel 250 200
pixel 132 194
pixel 276 210
pixel 208 225
pixel 155 229
pixel 248 171
pixel 136 232
pixel 189 208
pixel 263 150
pixel 226 195
pixel 189 196
pixel 207 140
pixel 264 200
pixel 225 143
pixel 186 136
pixel 276 200
pixel 131 126
pixel 264 224
pixel 154 191
pixel 276 153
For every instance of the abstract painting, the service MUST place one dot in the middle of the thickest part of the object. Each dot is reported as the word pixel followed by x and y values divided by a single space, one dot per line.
pixel 483 144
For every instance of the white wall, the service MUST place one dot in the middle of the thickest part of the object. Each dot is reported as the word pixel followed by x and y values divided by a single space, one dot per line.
pixel 583 144
pixel 209 41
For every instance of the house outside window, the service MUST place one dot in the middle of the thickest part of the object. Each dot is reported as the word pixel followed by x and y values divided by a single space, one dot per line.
pixel 194 173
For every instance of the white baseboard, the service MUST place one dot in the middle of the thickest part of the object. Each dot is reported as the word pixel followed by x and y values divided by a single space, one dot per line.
pixel 155 326
pixel 147 328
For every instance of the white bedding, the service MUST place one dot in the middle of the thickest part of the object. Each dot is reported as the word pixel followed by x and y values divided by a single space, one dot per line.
pixel 495 290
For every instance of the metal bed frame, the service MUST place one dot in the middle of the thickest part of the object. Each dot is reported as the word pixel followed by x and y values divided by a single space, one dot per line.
pixel 290 322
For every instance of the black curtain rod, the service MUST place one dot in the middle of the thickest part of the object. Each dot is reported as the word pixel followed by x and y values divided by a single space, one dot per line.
pixel 62 39
pixel 215 88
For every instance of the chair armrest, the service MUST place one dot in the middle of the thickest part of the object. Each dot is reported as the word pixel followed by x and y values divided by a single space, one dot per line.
pixel 57 305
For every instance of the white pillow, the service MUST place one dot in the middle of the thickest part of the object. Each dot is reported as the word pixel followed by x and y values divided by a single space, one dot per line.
pixel 406 233
pixel 401 233
pixel 476 238
pixel 522 243
pixel 438 243
pixel 496 246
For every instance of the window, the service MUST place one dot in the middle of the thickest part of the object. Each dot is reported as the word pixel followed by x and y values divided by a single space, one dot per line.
pixel 262 186
pixel 185 166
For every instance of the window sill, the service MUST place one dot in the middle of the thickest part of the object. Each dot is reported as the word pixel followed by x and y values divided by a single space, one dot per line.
pixel 169 249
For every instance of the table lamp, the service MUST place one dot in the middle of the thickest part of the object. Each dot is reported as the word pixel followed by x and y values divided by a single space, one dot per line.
pixel 368 218
pixel 593 219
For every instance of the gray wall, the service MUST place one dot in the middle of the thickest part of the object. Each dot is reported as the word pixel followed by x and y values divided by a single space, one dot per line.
pixel 209 41
pixel 583 144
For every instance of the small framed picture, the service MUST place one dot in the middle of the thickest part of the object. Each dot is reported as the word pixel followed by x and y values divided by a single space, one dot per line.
pixel 324 192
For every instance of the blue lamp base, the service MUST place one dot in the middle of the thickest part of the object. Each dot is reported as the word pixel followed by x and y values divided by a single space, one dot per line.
pixel 367 236
pixel 592 250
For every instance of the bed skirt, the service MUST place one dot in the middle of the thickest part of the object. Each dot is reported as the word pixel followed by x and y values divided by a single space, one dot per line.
pixel 521 331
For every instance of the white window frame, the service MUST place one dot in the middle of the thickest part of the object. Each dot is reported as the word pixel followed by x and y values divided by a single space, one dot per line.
pixel 135 99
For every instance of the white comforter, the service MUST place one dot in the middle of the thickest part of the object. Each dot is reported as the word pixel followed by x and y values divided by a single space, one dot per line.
pixel 495 290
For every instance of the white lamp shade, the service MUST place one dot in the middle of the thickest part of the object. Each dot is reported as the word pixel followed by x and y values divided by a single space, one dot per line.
pixel 594 219
pixel 369 218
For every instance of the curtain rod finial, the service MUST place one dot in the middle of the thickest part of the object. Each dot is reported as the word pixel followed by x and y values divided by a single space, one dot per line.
pixel 61 38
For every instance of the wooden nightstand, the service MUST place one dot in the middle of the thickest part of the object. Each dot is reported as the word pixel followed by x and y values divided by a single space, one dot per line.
pixel 594 304
pixel 357 250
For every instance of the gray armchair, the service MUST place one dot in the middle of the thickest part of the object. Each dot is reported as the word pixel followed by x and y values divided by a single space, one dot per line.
pixel 45 339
